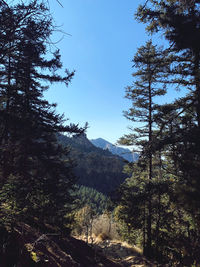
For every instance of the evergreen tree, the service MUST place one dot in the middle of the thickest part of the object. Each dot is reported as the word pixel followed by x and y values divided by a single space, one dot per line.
pixel 36 172
pixel 180 20
pixel 151 65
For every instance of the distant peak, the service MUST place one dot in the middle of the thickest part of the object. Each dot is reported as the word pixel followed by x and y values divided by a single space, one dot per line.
pixel 116 150
pixel 101 140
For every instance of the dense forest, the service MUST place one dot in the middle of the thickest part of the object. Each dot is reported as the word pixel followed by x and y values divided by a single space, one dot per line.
pixel 162 196
pixel 54 182
pixel 94 167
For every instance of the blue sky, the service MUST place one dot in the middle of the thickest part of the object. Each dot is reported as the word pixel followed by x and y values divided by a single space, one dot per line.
pixel 101 41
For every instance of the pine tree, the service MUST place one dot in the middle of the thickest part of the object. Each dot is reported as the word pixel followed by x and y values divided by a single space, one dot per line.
pixel 36 172
pixel 151 64
pixel 180 20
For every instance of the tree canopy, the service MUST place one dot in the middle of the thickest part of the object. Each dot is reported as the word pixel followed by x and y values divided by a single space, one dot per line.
pixel 36 172
pixel 173 148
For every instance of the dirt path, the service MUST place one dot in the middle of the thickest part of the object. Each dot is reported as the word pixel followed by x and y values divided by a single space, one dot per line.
pixel 122 253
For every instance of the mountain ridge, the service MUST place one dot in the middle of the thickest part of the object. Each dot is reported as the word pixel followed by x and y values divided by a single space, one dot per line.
pixel 95 167
pixel 115 150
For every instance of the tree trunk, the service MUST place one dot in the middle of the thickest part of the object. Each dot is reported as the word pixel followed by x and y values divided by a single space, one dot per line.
pixel 148 250
pixel 197 84
pixel 157 238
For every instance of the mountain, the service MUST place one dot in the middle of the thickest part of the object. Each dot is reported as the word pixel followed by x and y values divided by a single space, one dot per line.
pixel 95 167
pixel 116 150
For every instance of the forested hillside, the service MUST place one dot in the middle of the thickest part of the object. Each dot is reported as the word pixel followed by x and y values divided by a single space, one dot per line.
pixel 94 167
pixel 55 185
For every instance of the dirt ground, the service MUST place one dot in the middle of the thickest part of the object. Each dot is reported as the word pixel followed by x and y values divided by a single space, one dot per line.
pixel 120 253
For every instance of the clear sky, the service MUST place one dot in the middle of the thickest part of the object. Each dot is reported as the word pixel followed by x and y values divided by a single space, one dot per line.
pixel 102 39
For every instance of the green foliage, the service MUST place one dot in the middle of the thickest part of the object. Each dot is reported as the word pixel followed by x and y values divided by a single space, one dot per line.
pixel 36 172
pixel 89 205
pixel 172 226
pixel 91 197
pixel 168 203
pixel 180 23
pixel 83 221
pixel 151 63
pixel 126 231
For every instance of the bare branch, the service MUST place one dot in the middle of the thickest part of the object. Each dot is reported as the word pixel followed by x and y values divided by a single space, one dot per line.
pixel 145 4
pixel 3 2
pixel 59 3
